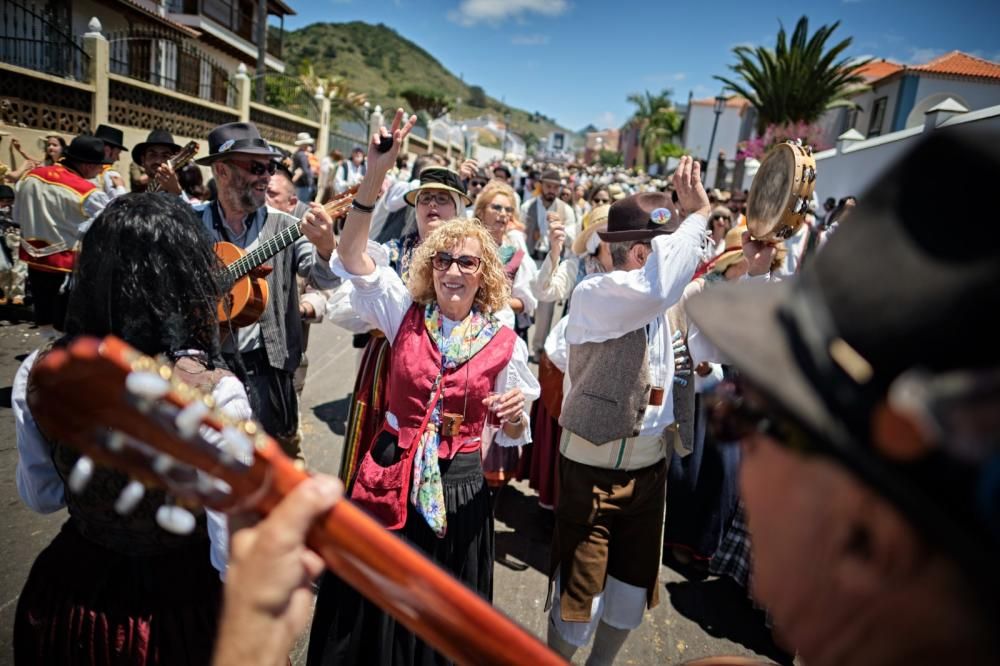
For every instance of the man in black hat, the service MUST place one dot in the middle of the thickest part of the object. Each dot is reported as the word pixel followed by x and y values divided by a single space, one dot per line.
pixel 153 155
pixel 869 410
pixel 618 420
pixel 111 180
pixel 54 207
pixel 242 163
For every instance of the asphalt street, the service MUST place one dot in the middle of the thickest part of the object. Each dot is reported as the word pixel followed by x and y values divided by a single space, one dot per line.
pixel 696 618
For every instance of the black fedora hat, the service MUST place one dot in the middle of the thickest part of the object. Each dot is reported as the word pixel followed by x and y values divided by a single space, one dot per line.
pixel 237 138
pixel 888 299
pixel 640 217
pixel 6 192
pixel 86 150
pixel 111 136
pixel 438 178
pixel 158 137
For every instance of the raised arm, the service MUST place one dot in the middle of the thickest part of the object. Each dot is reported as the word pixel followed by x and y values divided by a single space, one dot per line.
pixel 354 238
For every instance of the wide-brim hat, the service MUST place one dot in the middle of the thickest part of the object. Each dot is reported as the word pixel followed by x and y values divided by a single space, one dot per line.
pixel 237 139
pixel 550 176
pixel 111 136
pixel 438 178
pixel 158 137
pixel 594 221
pixel 504 168
pixel 826 348
pixel 304 139
pixel 86 150
pixel 641 216
pixel 616 192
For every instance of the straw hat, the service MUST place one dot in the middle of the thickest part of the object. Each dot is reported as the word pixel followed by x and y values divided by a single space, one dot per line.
pixel 594 221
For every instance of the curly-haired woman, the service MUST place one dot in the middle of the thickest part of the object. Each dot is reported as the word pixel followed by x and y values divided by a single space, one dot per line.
pixel 453 364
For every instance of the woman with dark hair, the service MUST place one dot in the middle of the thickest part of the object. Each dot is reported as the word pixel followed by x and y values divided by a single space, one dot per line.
pixel 55 148
pixel 123 582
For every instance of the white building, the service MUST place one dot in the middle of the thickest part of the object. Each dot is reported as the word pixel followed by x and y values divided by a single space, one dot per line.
pixel 698 125
pixel 900 95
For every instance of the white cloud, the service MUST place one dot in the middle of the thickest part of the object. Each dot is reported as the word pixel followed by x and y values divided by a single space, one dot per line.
pixel 529 40
pixel 471 12
pixel 663 78
pixel 607 119
pixel 919 56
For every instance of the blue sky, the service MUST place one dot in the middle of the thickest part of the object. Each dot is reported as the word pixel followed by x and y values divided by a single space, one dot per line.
pixel 577 60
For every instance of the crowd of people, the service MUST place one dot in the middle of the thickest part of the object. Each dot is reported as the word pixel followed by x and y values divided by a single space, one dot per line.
pixel 814 423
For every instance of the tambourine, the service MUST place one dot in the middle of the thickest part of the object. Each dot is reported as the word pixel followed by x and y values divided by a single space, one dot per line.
pixel 781 191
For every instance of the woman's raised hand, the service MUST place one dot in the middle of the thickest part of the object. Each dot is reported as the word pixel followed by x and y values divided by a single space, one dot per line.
pixel 379 162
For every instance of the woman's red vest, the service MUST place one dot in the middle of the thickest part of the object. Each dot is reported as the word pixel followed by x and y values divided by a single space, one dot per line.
pixel 416 362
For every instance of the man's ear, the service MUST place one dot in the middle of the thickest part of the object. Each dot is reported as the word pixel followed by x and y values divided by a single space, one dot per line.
pixel 877 546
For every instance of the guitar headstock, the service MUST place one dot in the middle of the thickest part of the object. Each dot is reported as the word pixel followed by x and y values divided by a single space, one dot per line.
pixel 131 412
pixel 186 154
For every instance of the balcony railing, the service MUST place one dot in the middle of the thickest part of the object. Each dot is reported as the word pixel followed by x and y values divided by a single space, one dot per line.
pixel 32 37
pixel 161 59
pixel 238 17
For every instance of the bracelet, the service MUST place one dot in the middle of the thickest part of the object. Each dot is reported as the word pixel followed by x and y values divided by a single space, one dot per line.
pixel 361 207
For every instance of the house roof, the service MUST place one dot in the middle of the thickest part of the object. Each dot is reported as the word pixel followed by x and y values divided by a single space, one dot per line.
pixel 733 102
pixel 957 63
pixel 132 5
pixel 879 69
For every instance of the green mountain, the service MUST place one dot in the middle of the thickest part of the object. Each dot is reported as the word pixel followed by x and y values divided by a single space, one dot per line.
pixel 378 61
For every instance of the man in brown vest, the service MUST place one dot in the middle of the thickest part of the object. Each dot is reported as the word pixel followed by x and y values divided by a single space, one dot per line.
pixel 618 420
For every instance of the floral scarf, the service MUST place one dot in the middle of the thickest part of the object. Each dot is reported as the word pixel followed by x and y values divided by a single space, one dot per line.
pixel 465 341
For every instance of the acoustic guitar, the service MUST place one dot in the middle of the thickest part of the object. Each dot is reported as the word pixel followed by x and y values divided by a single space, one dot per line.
pixel 248 292
pixel 178 161
pixel 128 411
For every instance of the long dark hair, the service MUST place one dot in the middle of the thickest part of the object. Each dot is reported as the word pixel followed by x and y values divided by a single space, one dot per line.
pixel 147 274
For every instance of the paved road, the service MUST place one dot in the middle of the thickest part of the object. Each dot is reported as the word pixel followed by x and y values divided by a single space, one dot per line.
pixel 696 618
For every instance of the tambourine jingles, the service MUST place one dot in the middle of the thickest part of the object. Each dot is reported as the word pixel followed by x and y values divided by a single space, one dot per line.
pixel 781 191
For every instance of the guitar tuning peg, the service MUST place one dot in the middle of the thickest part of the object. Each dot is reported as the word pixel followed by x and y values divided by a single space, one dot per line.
pixel 80 474
pixel 174 519
pixel 162 464
pixel 116 441
pixel 147 385
pixel 188 420
pixel 237 444
pixel 129 498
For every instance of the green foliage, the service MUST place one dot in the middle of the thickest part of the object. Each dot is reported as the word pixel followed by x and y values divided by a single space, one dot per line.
pixel 610 158
pixel 659 123
pixel 376 60
pixel 797 80
pixel 424 99
pixel 477 97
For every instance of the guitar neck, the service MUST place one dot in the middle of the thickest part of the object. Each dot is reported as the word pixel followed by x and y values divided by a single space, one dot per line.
pixel 264 251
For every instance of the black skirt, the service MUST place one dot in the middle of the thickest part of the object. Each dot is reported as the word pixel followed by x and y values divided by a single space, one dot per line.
pixel 84 604
pixel 349 629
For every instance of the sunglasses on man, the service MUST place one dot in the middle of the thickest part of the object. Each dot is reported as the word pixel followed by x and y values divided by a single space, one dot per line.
pixel 256 168
pixel 467 263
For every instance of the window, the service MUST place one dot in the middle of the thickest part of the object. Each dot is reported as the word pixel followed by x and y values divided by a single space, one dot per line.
pixel 878 115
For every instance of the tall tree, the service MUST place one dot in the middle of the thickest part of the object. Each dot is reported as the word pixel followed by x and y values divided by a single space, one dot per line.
pixel 658 122
pixel 797 80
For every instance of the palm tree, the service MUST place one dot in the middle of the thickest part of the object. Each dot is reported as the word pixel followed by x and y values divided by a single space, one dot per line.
pixel 658 122
pixel 799 79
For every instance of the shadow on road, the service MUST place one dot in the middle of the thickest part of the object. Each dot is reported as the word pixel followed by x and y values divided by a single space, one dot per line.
pixel 532 530
pixel 723 610
pixel 334 414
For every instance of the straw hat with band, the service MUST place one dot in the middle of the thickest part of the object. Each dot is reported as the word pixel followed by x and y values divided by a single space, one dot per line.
pixel 304 139
pixel 640 217
pixel 864 357
pixel 439 178
pixel 732 254
pixel 593 222
pixel 237 139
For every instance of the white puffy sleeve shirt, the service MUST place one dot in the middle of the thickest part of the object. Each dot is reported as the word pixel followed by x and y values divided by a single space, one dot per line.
pixel 41 487
pixel 382 300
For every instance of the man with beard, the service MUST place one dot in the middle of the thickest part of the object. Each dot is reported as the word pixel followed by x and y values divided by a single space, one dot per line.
pixel 270 349
pixel 153 155
pixel 537 214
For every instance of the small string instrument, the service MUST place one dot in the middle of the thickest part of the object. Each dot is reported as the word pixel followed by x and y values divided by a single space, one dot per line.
pixel 249 293
pixel 178 161
pixel 131 412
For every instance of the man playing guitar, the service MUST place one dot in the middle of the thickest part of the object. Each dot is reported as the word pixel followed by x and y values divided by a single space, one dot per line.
pixel 153 155
pixel 270 349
